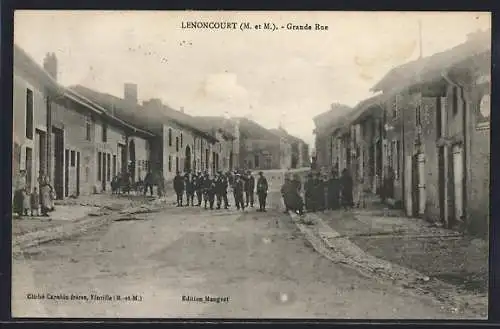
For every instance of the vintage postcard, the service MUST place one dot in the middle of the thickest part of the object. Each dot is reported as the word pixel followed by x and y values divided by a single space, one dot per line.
pixel 223 164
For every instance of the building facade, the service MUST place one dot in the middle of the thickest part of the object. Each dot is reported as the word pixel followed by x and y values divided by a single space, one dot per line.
pixel 432 136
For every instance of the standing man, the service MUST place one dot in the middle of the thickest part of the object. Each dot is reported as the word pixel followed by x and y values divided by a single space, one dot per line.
pixel 148 183
pixel 221 190
pixel 333 191
pixel 238 192
pixel 249 188
pixel 190 188
pixel 179 188
pixel 199 188
pixel 309 193
pixel 207 183
pixel 346 184
pixel 262 188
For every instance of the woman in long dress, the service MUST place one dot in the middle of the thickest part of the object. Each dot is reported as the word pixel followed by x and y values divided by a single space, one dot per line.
pixel 19 187
pixel 45 196
pixel 346 184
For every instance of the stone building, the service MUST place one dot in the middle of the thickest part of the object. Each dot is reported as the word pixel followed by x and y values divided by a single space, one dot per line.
pixel 325 125
pixel 75 142
pixel 299 150
pixel 178 144
pixel 436 132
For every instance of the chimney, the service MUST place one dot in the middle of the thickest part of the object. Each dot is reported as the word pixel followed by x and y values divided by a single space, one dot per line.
pixel 130 93
pixel 50 65
pixel 182 109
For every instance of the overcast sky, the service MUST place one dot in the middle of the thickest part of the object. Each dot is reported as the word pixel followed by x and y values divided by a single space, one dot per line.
pixel 271 77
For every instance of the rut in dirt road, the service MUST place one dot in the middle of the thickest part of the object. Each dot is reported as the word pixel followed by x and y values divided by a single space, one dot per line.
pixel 168 263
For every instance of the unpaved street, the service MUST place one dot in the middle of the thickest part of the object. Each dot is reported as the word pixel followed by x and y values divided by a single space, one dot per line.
pixel 260 261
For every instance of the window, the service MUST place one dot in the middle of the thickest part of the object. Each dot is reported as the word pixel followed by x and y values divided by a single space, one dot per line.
pixel 72 158
pixel 169 136
pixel 87 174
pixel 207 155
pixel 108 165
pixel 114 165
pixel 177 144
pixel 397 168
pixel 455 100
pixel 104 132
pixel 88 128
pixel 176 164
pixel 170 163
pixel 28 164
pixel 417 115
pixel 182 142
pixel 99 166
pixel 256 161
pixel 29 114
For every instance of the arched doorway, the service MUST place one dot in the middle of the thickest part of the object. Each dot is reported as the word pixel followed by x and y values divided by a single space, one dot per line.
pixel 131 154
pixel 231 160
pixel 187 159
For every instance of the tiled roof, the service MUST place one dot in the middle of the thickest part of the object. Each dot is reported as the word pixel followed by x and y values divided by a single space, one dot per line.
pixel 224 125
pixel 147 118
pixel 284 133
pixel 328 118
pixel 252 130
pixel 430 67
pixel 23 61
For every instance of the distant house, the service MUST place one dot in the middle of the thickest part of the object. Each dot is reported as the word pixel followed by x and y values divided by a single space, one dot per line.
pixel 299 150
pixel 261 149
pixel 325 123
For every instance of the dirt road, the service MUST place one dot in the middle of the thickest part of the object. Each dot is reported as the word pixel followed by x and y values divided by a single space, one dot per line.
pixel 253 264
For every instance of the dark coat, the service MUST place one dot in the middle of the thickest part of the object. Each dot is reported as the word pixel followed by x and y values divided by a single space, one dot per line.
pixel 179 183
pixel 221 185
pixel 346 185
pixel 333 193
pixel 190 183
pixel 238 188
pixel 291 196
pixel 262 185
pixel 250 184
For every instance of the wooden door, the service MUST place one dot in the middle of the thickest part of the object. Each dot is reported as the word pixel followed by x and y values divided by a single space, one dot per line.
pixel 458 185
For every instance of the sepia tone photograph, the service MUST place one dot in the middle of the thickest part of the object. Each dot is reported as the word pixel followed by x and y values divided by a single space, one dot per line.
pixel 249 165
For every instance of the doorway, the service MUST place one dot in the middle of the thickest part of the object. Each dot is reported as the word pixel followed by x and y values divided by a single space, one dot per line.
pixel 442 181
pixel 414 184
pixel 77 173
pixel 66 173
pixel 58 173
pixel 123 158
pixel 103 170
pixel 29 167
pixel 458 183
pixel 41 150
pixel 131 153
pixel 187 159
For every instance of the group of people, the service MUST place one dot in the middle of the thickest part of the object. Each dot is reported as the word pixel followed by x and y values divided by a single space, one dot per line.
pixel 32 202
pixel 320 192
pixel 211 191
pixel 122 182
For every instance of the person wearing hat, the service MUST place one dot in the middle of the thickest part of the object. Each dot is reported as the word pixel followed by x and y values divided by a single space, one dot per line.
pixel 189 179
pixel 249 188
pixel 262 188
pixel 309 193
pixel 221 190
pixel 207 189
pixel 179 187
pixel 238 188
pixel 198 185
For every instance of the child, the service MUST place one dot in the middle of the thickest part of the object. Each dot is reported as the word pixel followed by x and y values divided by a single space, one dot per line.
pixel 35 202
pixel 26 202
